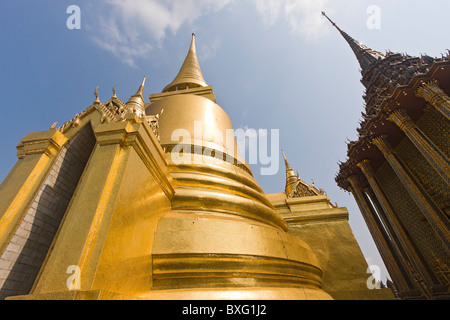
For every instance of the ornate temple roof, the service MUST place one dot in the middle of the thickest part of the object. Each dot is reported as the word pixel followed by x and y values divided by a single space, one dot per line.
pixel 190 75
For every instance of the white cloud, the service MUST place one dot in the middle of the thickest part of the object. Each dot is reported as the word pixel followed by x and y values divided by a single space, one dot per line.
pixel 131 28
pixel 209 49
pixel 269 10
pixel 109 37
pixel 303 16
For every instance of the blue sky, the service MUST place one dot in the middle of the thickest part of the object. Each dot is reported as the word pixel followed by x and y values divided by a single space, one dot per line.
pixel 274 64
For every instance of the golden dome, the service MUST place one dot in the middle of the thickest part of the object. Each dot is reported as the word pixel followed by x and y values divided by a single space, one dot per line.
pixel 207 123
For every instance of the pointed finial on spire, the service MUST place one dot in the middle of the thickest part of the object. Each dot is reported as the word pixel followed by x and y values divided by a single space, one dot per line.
pixel 332 22
pixel 114 91
pixel 192 46
pixel 365 55
pixel 141 88
pixel 291 178
pixel 285 161
pixel 97 100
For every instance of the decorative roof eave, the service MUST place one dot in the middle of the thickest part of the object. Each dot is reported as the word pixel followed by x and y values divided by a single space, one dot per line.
pixel 116 101
pixel 403 96
pixel 345 171
pixel 390 58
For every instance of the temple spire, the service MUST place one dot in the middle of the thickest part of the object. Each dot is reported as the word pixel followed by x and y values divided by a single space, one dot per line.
pixel 365 55
pixel 136 101
pixel 296 187
pixel 140 91
pixel 114 92
pixel 190 75
pixel 291 178
pixel 97 100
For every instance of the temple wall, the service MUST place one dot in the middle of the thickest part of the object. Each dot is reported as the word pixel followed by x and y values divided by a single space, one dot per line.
pixel 105 240
pixel 24 254
pixel 326 230
pixel 436 128
pixel 125 264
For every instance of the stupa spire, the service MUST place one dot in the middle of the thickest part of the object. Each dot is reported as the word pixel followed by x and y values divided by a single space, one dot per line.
pixel 190 74
pixel 114 92
pixel 291 177
pixel 141 87
pixel 136 101
pixel 365 55
pixel 97 100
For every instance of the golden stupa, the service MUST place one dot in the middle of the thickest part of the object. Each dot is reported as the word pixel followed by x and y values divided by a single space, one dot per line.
pixel 110 206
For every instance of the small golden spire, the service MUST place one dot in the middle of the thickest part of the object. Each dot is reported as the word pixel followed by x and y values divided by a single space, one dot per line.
pixel 97 100
pixel 114 91
pixel 291 178
pixel 285 161
pixel 136 101
pixel 141 88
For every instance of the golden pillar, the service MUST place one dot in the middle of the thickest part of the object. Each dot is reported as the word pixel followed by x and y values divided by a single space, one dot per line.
pixel 432 93
pixel 427 148
pixel 404 241
pixel 435 217
pixel 381 238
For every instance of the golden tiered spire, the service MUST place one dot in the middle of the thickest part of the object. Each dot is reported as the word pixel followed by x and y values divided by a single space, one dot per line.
pixel 114 92
pixel 190 75
pixel 137 100
pixel 97 100
pixel 296 187
pixel 291 178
